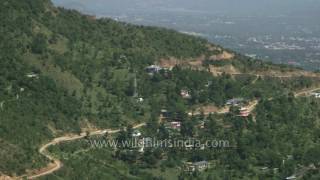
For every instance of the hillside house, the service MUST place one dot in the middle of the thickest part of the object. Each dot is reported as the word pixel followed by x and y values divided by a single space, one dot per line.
pixel 234 101
pixel 264 169
pixel 32 75
pixel 140 100
pixel 141 145
pixel 153 69
pixel 201 124
pixel 244 112
pixel 185 94
pixel 175 125
pixel 316 95
pixel 145 143
pixel 291 177
pixel 196 166
pixel 165 114
pixel 136 133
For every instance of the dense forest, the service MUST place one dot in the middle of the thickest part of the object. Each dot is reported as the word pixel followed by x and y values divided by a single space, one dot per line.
pixel 64 72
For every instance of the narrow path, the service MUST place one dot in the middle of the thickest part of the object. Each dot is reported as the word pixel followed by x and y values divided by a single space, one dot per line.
pixel 57 164
pixel 312 75
pixel 256 79
pixel 224 110
pixel 252 105
pixel 306 92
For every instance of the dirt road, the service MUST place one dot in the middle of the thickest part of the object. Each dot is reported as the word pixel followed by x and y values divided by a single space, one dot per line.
pixel 56 163
pixel 306 92
pixel 210 110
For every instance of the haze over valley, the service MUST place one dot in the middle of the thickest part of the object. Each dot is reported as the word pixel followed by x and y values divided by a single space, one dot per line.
pixel 286 31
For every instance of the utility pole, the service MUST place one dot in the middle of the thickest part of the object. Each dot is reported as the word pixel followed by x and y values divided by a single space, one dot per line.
pixel 1 105
pixel 135 82
pixel 135 86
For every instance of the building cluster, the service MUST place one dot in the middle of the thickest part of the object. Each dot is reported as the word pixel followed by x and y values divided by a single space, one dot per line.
pixel 173 125
pixel 239 102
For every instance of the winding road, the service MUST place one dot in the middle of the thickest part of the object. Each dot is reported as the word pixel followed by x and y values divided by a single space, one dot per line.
pixel 56 163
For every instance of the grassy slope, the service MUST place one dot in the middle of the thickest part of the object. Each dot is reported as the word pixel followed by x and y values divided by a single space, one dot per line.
pixel 84 66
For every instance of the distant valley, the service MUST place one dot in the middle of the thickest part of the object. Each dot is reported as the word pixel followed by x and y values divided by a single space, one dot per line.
pixel 288 35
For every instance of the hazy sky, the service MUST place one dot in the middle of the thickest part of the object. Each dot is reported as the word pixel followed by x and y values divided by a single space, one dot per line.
pixel 236 7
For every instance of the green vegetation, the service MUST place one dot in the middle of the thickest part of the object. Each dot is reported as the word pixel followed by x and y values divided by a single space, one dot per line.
pixel 63 72
pixel 283 139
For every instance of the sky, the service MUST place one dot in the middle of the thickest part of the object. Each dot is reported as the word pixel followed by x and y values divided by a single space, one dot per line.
pixel 235 7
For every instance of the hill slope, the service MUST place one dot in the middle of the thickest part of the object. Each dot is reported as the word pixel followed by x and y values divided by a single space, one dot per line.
pixel 63 72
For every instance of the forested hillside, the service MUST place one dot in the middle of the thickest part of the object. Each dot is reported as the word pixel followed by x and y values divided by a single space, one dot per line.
pixel 60 69
pixel 64 72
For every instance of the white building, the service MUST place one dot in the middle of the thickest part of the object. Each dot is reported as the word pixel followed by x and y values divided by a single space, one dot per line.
pixel 185 94
pixel 140 100
pixel 199 166
pixel 316 95
pixel 136 133
pixel 153 69
pixel 291 177
pixel 32 75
